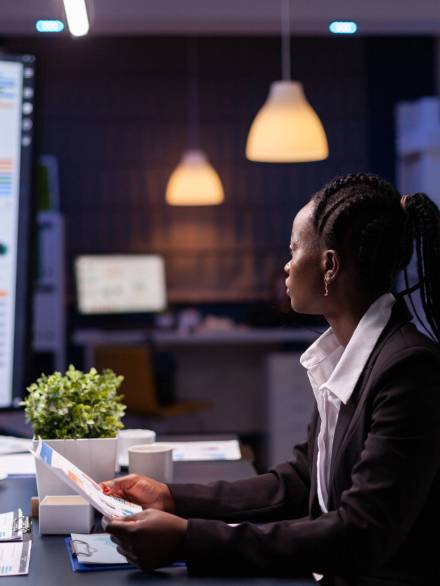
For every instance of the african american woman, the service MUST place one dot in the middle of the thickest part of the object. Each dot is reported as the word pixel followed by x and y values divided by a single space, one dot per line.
pixel 359 502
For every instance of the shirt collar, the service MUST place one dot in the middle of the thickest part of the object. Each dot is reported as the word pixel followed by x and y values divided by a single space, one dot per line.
pixel 348 362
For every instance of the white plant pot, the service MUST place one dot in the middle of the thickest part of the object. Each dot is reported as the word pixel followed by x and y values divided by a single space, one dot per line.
pixel 95 456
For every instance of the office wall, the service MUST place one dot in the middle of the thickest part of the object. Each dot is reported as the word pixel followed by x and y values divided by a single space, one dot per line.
pixel 114 112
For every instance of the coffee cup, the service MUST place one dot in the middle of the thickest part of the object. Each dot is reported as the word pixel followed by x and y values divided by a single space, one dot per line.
pixel 132 437
pixel 152 460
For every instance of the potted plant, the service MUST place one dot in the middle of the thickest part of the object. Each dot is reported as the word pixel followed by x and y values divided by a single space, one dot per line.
pixel 79 415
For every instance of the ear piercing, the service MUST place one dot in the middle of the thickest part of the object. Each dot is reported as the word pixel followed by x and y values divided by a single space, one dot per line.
pixel 326 278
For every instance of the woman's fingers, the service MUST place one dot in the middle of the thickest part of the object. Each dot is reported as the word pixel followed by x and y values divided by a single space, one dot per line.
pixel 127 554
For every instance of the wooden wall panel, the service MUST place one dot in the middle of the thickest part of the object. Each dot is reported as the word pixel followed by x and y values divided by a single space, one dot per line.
pixel 114 112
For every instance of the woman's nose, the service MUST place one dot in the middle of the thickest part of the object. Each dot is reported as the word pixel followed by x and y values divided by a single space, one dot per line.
pixel 287 266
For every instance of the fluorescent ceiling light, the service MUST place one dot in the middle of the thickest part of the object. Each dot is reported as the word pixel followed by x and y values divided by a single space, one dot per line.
pixel 76 15
pixel 343 27
pixel 49 26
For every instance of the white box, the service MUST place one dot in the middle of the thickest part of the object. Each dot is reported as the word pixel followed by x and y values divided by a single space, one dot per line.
pixel 65 514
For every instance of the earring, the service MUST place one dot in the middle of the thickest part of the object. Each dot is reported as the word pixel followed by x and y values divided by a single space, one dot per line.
pixel 325 286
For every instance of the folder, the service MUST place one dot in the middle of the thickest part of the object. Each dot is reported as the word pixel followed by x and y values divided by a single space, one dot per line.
pixel 82 567
pixel 75 546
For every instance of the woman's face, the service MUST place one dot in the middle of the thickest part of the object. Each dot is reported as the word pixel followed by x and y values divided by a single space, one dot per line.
pixel 305 270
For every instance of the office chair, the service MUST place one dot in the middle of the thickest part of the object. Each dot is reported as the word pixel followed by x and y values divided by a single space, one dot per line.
pixel 138 387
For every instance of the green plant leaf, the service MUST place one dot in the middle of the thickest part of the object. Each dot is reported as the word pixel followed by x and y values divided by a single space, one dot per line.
pixel 76 405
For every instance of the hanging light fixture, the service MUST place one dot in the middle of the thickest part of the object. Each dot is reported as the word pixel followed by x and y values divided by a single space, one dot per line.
pixel 286 129
pixel 194 182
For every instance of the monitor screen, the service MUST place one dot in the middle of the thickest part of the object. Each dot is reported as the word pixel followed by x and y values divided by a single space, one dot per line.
pixel 16 138
pixel 120 283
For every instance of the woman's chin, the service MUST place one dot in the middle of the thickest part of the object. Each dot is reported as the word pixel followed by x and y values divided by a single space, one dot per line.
pixel 297 306
pixel 293 303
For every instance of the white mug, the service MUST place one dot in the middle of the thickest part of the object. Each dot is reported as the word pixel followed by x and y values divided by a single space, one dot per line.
pixel 153 460
pixel 131 437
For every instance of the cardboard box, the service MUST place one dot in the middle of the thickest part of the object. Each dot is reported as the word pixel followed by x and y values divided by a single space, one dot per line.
pixel 65 514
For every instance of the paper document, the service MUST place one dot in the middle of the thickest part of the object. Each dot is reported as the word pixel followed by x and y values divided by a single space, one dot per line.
pixel 14 558
pixel 14 445
pixel 17 464
pixel 96 548
pixel 83 484
pixel 208 450
pixel 199 451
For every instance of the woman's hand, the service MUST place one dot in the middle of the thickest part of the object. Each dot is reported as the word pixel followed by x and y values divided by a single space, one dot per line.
pixel 146 492
pixel 150 539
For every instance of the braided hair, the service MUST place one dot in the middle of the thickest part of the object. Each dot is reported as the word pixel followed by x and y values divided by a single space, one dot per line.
pixel 367 220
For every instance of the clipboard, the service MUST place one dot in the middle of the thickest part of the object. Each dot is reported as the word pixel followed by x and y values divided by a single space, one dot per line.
pixel 72 550
pixel 20 526
pixel 22 523
pixel 81 567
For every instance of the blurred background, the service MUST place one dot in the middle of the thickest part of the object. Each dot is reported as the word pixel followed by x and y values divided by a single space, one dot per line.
pixel 104 263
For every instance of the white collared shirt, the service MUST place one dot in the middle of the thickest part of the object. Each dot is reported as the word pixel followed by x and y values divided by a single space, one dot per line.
pixel 333 371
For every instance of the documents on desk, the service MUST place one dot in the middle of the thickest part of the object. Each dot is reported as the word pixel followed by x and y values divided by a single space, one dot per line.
pixel 17 464
pixel 14 552
pixel 205 450
pixel 96 548
pixel 14 558
pixel 96 552
pixel 12 461
pixel 14 445
pixel 198 451
pixel 13 525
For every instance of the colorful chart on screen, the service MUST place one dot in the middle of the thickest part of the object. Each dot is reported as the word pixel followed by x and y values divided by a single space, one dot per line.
pixel 16 127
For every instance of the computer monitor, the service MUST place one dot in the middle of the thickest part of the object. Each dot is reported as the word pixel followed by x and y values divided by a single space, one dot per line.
pixel 122 283
pixel 17 74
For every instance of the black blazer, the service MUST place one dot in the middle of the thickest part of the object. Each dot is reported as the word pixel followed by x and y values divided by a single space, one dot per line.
pixel 384 490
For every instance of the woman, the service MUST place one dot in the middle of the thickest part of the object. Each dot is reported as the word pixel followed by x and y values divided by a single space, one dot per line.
pixel 359 502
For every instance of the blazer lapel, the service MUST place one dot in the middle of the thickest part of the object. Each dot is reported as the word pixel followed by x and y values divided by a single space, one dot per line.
pixel 314 507
pixel 344 418
pixel 347 413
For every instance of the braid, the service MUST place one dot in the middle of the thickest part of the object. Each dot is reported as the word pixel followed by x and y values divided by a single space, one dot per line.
pixel 424 219
pixel 361 216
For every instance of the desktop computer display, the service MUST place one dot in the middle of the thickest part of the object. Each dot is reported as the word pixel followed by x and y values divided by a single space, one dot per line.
pixel 130 283
pixel 16 138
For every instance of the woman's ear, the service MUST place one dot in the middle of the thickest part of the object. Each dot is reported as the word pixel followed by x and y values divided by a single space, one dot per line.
pixel 331 264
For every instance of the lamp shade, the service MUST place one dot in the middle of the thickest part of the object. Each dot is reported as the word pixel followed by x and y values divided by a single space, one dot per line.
pixel 194 182
pixel 286 129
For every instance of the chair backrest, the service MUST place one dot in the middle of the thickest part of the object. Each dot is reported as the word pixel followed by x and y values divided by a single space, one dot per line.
pixel 134 363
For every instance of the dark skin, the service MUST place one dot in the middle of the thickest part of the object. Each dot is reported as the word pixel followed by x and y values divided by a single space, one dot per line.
pixel 155 537
pixel 310 265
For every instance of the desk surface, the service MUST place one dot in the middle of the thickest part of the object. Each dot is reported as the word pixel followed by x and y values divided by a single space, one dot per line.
pixel 49 561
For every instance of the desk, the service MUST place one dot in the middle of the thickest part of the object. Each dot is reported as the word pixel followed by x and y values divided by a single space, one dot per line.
pixel 49 561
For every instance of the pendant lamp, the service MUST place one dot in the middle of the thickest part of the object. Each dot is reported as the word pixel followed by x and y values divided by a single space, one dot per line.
pixel 287 128
pixel 194 182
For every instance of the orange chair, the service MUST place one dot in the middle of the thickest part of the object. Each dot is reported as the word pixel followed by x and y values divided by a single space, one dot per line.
pixel 138 387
